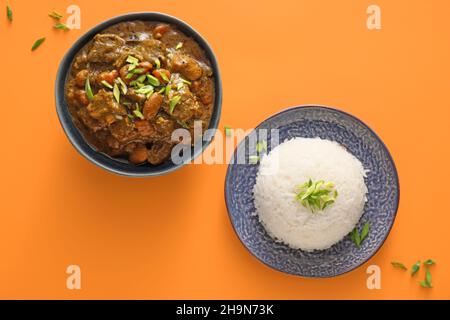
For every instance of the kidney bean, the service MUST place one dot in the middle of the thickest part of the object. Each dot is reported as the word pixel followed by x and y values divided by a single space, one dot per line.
pixel 152 105
pixel 139 154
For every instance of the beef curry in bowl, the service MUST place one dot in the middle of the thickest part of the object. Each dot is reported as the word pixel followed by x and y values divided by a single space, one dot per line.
pixel 129 83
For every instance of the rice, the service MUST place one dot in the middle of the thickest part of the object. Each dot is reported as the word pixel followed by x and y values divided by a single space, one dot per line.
pixel 297 161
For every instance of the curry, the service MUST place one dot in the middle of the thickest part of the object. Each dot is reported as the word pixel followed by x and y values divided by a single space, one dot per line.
pixel 136 82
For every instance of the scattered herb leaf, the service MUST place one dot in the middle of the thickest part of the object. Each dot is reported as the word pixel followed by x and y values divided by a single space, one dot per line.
pixel 179 46
pixel 173 103
pixel 228 131
pixel 88 89
pixel 157 63
pixel 261 146
pixel 398 265
pixel 55 15
pixel 145 90
pixel 168 88
pixel 116 92
pixel 132 60
pixel 429 262
pixel 186 81
pixel 138 114
pixel 61 26
pixel 9 13
pixel 253 159
pixel 153 80
pixel 365 231
pixel 415 268
pixel 164 76
pixel 106 84
pixel 37 44
pixel 129 75
pixel 123 85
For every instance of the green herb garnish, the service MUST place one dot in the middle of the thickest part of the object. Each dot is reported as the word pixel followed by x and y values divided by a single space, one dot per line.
pixel 132 60
pixel 415 268
pixel 173 103
pixel 185 81
pixel 88 89
pixel 357 237
pixel 123 85
pixel 179 45
pixel 55 15
pixel 61 26
pixel 141 78
pixel 261 146
pixel 106 84
pixel 9 13
pixel 116 92
pixel 137 71
pixel 164 76
pixel 253 159
pixel 168 88
pixel 398 265
pixel 316 195
pixel 427 283
pixel 129 75
pixel 160 91
pixel 145 90
pixel 37 44
pixel 157 63
pixel 429 262
pixel 228 132
pixel 138 114
pixel 153 80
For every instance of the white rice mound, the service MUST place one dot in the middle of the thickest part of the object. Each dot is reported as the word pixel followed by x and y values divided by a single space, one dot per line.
pixel 301 159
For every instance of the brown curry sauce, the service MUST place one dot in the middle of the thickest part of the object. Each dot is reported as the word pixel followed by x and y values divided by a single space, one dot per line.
pixel 135 83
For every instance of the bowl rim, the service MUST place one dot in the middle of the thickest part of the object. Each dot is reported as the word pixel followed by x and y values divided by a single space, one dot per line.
pixel 395 172
pixel 64 69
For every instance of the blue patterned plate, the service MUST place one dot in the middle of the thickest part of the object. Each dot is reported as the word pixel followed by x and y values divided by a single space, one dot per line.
pixel 380 209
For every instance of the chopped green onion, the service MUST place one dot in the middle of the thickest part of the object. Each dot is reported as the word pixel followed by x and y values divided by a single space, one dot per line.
pixel 261 146
pixel 365 230
pixel 398 265
pixel 173 103
pixel 131 67
pixel 116 92
pixel 141 78
pixel 167 89
pixel 37 44
pixel 138 114
pixel 61 26
pixel 185 81
pixel 183 124
pixel 137 71
pixel 228 131
pixel 55 15
pixel 106 84
pixel 153 80
pixel 157 63
pixel 180 86
pixel 179 45
pixel 162 90
pixel 427 282
pixel 132 60
pixel 314 195
pixel 145 90
pixel 164 76
pixel 9 13
pixel 88 89
pixel 429 262
pixel 129 76
pixel 253 159
pixel 415 268
pixel 123 85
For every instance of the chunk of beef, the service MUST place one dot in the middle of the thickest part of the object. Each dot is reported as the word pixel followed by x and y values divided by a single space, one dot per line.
pixel 106 48
pixel 105 109
pixel 159 152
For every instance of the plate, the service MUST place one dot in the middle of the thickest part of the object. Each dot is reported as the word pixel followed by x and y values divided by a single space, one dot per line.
pixel 380 209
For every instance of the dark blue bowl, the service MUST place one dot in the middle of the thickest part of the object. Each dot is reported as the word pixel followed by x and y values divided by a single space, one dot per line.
pixel 76 138
pixel 380 209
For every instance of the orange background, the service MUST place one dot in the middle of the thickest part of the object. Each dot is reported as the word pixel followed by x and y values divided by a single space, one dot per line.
pixel 170 237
